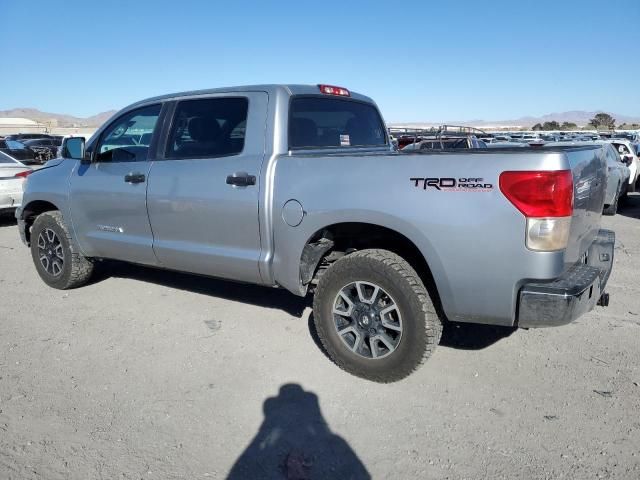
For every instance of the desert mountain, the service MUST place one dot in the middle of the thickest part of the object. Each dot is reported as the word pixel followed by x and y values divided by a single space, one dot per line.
pixel 61 119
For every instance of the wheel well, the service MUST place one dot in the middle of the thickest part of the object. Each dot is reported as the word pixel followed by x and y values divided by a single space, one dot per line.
pixel 332 242
pixel 31 211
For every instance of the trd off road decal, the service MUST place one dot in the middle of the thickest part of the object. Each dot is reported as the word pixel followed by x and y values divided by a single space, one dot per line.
pixel 447 184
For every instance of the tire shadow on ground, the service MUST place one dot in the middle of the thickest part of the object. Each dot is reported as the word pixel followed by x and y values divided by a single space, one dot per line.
pixel 460 336
pixel 631 206
pixel 7 220
pixel 472 336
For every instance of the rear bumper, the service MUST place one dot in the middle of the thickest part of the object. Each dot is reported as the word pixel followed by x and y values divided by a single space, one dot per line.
pixel 572 294
pixel 10 200
pixel 22 226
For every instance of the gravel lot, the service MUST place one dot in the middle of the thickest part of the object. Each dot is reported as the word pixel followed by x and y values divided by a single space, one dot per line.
pixel 152 375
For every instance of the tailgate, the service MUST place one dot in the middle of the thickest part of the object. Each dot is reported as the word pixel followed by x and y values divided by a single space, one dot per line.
pixel 589 169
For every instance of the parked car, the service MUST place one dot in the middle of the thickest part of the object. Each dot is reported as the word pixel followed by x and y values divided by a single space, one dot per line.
pixel 44 149
pixel 550 137
pixel 295 186
pixel 26 136
pixel 12 176
pixel 446 143
pixel 445 137
pixel 631 136
pixel 18 151
pixel 509 144
pixel 502 138
pixel 628 154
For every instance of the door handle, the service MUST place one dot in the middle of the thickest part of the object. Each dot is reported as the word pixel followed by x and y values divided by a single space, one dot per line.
pixel 134 177
pixel 241 179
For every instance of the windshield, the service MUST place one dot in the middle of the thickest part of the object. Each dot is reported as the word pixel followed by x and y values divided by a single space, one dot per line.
pixel 333 122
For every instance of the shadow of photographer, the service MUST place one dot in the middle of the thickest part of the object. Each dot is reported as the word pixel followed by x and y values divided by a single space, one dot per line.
pixel 295 442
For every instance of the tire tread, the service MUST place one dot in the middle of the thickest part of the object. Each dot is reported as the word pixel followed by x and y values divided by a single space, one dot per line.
pixel 81 267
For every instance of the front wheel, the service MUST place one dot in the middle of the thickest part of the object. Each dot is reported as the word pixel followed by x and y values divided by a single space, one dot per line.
pixel 374 316
pixel 54 255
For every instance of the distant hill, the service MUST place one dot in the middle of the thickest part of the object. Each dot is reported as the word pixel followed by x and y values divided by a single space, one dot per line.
pixel 62 119
pixel 579 117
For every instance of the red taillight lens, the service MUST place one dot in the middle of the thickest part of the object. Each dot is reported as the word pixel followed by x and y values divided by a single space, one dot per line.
pixel 333 90
pixel 539 194
pixel 24 174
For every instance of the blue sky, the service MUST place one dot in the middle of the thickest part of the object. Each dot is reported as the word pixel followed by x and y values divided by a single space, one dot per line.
pixel 419 60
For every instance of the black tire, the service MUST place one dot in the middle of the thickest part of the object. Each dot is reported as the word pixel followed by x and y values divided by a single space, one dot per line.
pixel 421 327
pixel 613 208
pixel 75 270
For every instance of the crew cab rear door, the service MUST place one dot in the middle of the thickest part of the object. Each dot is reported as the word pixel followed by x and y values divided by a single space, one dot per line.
pixel 203 191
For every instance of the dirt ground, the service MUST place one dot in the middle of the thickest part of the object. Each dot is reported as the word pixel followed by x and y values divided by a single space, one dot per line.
pixel 154 375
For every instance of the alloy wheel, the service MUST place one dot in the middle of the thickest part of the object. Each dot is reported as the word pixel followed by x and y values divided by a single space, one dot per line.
pixel 367 320
pixel 50 252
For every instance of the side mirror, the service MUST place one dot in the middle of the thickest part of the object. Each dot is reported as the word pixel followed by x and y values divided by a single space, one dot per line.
pixel 73 148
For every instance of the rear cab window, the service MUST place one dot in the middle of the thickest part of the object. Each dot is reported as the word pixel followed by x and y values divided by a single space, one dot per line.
pixel 325 122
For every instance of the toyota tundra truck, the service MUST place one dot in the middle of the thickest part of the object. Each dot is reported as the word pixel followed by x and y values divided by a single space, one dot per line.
pixel 297 187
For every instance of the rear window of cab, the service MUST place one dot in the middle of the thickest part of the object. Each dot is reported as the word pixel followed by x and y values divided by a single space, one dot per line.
pixel 325 122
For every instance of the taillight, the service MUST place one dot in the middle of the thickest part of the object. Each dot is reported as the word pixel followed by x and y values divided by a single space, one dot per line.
pixel 546 200
pixel 333 90
pixel 24 174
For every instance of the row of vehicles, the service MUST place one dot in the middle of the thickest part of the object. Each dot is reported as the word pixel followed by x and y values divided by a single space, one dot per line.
pixel 620 148
pixel 31 148
pixel 20 155
pixel 298 187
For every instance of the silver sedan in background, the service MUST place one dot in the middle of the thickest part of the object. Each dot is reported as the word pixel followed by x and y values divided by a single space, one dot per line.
pixel 12 178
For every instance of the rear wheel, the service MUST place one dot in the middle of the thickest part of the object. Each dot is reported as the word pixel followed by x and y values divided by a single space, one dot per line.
pixel 374 316
pixel 57 261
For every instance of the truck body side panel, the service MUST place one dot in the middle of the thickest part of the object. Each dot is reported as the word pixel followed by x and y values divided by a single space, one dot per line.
pixel 472 238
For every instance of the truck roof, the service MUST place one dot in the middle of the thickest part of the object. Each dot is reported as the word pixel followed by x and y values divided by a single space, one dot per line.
pixel 271 89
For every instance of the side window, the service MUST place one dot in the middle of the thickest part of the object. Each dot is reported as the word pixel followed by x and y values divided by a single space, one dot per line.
pixel 208 127
pixel 128 138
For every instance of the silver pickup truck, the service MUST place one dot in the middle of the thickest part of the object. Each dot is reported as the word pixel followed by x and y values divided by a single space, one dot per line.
pixel 296 187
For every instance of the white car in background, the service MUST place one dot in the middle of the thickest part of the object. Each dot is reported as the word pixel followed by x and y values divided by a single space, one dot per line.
pixel 12 177
pixel 628 154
